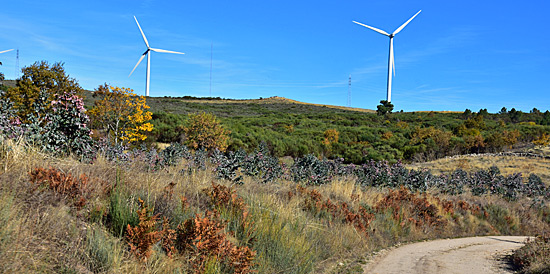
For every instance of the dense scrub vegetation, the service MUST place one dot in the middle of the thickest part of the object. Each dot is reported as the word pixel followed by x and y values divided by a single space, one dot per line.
pixel 292 129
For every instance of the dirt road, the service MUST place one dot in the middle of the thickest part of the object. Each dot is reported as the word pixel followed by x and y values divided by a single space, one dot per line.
pixel 463 255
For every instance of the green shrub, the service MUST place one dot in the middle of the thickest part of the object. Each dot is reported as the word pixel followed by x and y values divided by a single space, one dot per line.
pixel 122 211
pixel 502 220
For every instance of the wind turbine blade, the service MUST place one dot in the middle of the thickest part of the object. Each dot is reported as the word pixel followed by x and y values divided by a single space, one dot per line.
pixel 142 34
pixel 165 51
pixel 141 58
pixel 6 50
pixel 402 26
pixel 372 28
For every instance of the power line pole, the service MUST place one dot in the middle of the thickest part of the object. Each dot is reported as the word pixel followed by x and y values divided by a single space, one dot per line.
pixel 349 91
pixel 16 65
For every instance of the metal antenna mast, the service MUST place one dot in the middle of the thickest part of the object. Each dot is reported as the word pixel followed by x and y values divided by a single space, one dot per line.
pixel 17 65
pixel 349 91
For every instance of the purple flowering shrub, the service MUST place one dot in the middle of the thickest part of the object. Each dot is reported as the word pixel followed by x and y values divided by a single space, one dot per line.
pixel 66 129
pixel 259 164
pixel 313 171
pixel 61 129
pixel 10 123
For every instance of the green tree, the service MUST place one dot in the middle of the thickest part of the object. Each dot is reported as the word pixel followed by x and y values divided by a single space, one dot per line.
pixel 41 76
pixel 483 112
pixel 203 130
pixel 466 114
pixel 384 107
pixel 475 122
pixel 121 114
pixel 515 115
pixel 168 127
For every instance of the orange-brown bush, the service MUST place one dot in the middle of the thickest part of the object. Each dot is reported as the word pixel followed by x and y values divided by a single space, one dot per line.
pixel 410 207
pixel 64 184
pixel 222 197
pixel 168 237
pixel 142 237
pixel 205 239
pixel 315 203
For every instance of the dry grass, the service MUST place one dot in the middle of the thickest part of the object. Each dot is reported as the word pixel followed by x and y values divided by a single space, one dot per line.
pixel 42 231
pixel 507 164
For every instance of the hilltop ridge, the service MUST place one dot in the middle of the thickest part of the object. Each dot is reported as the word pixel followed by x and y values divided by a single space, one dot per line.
pixel 173 104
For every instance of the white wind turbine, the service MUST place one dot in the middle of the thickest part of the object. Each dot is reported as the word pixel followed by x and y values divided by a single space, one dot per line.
pixel 147 52
pixel 391 63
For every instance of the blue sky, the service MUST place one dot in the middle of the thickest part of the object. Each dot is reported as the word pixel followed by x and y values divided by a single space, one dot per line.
pixel 454 55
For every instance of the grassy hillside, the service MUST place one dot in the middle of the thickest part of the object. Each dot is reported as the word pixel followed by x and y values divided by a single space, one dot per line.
pixel 292 128
pixel 131 216
pixel 234 107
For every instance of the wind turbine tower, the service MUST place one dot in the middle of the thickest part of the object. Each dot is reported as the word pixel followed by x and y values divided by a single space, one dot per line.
pixel 148 53
pixel 391 63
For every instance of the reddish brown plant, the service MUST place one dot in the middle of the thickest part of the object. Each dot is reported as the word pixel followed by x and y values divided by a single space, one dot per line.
pixel 64 184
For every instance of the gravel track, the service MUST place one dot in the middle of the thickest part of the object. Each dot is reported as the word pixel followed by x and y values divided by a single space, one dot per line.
pixel 463 255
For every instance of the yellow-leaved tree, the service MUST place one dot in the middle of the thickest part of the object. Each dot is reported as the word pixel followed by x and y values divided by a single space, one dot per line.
pixel 203 130
pixel 121 114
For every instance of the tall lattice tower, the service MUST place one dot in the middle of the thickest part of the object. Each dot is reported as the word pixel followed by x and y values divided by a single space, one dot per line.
pixel 16 74
pixel 349 91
